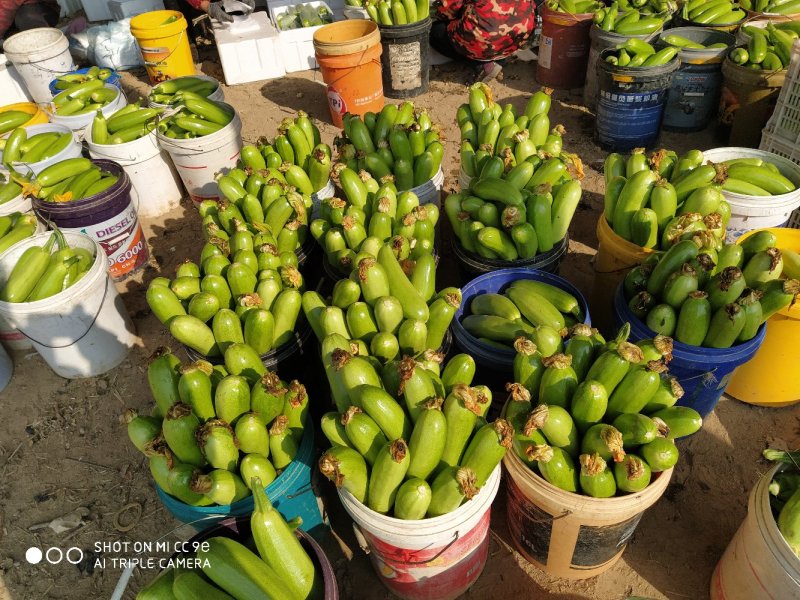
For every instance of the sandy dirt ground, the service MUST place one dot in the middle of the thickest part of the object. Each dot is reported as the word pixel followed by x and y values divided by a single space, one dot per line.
pixel 63 448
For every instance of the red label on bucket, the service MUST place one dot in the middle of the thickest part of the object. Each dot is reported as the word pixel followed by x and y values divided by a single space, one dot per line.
pixel 336 100
pixel 122 240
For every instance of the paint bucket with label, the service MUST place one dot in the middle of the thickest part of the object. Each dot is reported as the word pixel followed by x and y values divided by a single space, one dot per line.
pixel 406 58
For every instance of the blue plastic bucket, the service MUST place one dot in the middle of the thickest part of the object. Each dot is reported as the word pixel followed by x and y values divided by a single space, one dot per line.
pixel 292 493
pixel 704 373
pixel 494 365
pixel 113 79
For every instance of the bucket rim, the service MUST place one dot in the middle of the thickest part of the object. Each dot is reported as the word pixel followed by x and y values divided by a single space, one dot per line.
pixel 605 229
pixel 141 26
pixel 169 143
pixel 123 185
pixel 759 504
pixel 369 38
pixel 791 311
pixel 150 137
pixel 11 52
pixel 420 25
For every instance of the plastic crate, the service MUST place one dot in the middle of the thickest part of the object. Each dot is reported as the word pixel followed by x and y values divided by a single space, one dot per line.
pixel 249 50
pixel 297 44
pixel 96 10
pixel 785 120
pixel 777 145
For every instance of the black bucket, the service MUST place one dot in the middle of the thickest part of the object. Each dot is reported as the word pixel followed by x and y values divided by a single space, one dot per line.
pixel 406 58
pixel 631 104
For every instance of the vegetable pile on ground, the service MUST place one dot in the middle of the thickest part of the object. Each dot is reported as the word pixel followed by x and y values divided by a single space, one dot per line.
pixel 18 147
pixel 196 116
pixel 166 92
pixel 708 297
pixel 129 123
pixel 352 229
pixel 251 301
pixel 634 18
pixel 598 419
pixel 636 53
pixel 304 15
pixel 388 307
pixel 215 427
pixel 784 496
pixel 41 272
pixel 394 12
pixel 394 143
pixel 84 98
pixel 279 568
pixel 769 49
pixel 411 442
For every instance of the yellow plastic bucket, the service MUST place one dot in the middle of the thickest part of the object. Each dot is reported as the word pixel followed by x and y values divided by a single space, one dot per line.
pixel 771 377
pixel 38 116
pixel 164 44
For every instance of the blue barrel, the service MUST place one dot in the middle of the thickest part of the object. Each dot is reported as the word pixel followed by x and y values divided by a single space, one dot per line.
pixel 494 365
pixel 113 79
pixel 704 373
pixel 631 104
pixel 292 493
pixel 693 97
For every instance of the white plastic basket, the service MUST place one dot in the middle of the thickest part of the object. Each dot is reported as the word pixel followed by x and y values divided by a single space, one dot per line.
pixel 785 120
pixel 772 143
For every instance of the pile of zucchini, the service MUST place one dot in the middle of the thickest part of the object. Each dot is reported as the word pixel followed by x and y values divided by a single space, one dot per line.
pixel 216 427
pixel 703 12
pixel 401 450
pixel 11 119
pixel 598 419
pixel 15 228
pixel 634 17
pixel 244 293
pixel 713 299
pixel 387 308
pixel 659 200
pixel 166 92
pixel 197 116
pixel 636 53
pixel 394 12
pixel 769 48
pixel 296 152
pixel 18 147
pixel 84 98
pixel 70 81
pixel 773 7
pixel 393 145
pixel 279 568
pixel 575 8
pixel 129 123
pixel 304 15
pixel 533 309
pixel 70 180
pixel 784 496
pixel 371 215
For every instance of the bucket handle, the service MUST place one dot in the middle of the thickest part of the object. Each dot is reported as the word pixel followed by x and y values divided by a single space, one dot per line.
pixel 309 487
pixel 362 542
pixel 85 333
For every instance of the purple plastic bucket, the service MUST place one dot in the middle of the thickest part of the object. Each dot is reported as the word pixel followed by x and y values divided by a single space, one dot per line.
pixel 108 217
pixel 238 528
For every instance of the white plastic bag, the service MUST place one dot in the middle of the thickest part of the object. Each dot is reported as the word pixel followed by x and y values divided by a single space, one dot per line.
pixel 112 46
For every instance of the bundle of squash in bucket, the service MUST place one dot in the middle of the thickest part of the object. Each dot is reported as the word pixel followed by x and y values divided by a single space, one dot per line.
pixel 371 215
pixel 394 12
pixel 775 7
pixel 575 8
pixel 214 428
pixel 784 496
pixel 713 297
pixel 18 147
pixel 701 12
pixel 635 53
pixel 129 123
pixel 195 116
pixel 9 189
pixel 524 189
pixel 42 271
pixel 11 119
pixel 411 441
pixel 86 96
pixel 635 17
pixel 768 48
pixel 14 228
pixel 659 200
pixel 70 180
pixel 387 308
pixel 599 418
pixel 395 143
pixel 167 92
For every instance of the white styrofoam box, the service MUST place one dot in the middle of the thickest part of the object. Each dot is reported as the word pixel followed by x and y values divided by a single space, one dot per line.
pixel 12 87
pixel 96 10
pixel 125 9
pixel 297 45
pixel 249 50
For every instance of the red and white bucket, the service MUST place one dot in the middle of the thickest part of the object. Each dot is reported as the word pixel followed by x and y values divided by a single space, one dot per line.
pixel 428 559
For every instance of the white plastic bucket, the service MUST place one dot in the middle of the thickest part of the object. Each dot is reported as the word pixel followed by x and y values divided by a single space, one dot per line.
pixel 198 160
pixel 217 95
pixel 757 212
pixel 18 204
pixel 79 122
pixel 39 55
pixel 83 331
pixel 149 168
pixel 73 150
pixel 758 562
pixel 430 191
pixel 6 369
pixel 431 559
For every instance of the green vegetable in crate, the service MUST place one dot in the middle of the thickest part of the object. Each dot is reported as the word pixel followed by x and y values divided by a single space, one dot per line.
pixel 700 12
pixel 166 92
pixel 391 12
pixel 304 15
pixel 196 117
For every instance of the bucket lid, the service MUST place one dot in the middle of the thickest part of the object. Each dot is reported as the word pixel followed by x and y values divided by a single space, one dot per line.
pixel 154 24
pixel 346 37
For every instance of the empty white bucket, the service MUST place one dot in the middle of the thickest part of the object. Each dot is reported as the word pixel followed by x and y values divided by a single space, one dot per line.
pixel 39 55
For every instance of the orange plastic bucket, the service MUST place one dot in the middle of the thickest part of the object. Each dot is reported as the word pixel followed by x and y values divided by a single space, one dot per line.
pixel 164 43
pixel 349 56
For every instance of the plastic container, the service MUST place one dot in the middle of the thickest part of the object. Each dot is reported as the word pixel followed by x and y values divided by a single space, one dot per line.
pixel 217 95
pixel 11 83
pixel 238 528
pixel 757 212
pixel 348 54
pixel 747 101
pixel 251 50
pixel 601 40
pixel 38 116
pixel 428 559
pixel 6 369
pixel 109 217
pixel 292 493
pixel 494 365
pixel 471 265
pixel 758 562
pixel 83 331
pixel 704 373
pixel 79 122
pixel 631 104
pixel 784 123
pixel 563 48
pixel 198 160
pixel 694 94
pixel 767 379
pixel 296 45
pixel 405 60
pixel 39 55
pixel 149 168
pixel 73 150
pixel 571 535
pixel 113 79
pixel 164 45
